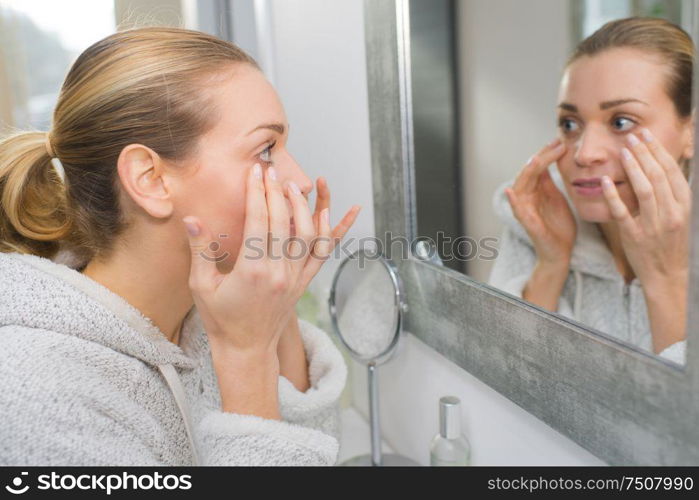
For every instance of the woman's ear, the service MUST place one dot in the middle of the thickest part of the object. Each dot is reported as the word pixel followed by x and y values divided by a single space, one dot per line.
pixel 688 151
pixel 141 172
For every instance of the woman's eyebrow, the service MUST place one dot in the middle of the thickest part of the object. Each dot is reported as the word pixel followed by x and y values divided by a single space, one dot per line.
pixel 277 127
pixel 603 105
pixel 568 107
pixel 619 102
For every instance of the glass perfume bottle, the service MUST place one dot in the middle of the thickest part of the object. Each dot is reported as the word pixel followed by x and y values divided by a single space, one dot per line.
pixel 450 446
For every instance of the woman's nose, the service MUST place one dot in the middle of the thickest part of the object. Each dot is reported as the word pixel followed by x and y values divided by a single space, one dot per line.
pixel 592 149
pixel 296 174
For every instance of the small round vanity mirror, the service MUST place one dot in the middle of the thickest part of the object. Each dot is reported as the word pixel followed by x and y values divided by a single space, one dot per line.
pixel 366 306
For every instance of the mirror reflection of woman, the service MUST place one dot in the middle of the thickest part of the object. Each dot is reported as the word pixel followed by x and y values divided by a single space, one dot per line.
pixel 609 247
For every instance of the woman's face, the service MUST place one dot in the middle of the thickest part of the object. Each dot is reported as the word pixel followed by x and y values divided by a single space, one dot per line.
pixel 601 99
pixel 253 129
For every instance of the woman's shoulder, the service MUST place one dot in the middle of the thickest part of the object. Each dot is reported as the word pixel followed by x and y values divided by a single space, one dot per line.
pixel 30 343
pixel 26 349
pixel 49 357
pixel 37 374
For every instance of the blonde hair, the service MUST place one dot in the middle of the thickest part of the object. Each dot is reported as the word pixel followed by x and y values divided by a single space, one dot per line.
pixel 142 85
pixel 656 36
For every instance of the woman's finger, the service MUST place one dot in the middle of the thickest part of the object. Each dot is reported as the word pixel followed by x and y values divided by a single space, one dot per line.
pixel 344 225
pixel 519 182
pixel 300 245
pixel 617 207
pixel 322 200
pixel 528 178
pixel 547 184
pixel 641 187
pixel 526 217
pixel 203 273
pixel 322 195
pixel 322 249
pixel 278 217
pixel 256 218
pixel 512 199
pixel 656 175
pixel 676 179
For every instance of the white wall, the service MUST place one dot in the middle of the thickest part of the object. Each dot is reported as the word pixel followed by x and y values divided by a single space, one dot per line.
pixel 511 55
pixel 319 68
pixel 321 80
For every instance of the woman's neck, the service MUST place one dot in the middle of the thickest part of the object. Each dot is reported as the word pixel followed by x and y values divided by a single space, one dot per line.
pixel 155 283
pixel 611 236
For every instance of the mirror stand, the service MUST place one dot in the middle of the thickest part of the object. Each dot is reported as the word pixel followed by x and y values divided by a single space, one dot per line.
pixel 376 458
pixel 366 306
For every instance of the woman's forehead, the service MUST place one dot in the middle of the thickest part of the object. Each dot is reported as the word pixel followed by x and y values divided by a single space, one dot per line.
pixel 614 75
pixel 247 100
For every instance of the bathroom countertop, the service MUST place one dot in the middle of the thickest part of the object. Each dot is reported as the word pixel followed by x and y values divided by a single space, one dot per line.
pixel 355 437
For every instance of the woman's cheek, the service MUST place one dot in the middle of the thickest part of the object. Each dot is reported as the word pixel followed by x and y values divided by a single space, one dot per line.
pixel 564 165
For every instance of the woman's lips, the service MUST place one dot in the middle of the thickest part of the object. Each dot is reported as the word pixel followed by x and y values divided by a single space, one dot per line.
pixel 590 187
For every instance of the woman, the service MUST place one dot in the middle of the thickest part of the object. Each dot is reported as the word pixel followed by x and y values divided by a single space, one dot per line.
pixel 126 340
pixel 607 243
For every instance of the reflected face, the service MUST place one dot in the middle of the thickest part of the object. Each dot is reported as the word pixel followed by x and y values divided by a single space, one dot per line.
pixel 601 99
pixel 253 129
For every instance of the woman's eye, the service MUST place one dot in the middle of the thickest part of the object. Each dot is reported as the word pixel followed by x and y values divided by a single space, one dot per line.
pixel 568 125
pixel 623 124
pixel 266 154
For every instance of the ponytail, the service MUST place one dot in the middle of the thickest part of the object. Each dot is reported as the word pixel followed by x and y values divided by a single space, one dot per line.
pixel 33 206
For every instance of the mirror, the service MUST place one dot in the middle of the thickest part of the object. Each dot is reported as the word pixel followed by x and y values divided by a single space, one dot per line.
pixel 366 306
pixel 492 83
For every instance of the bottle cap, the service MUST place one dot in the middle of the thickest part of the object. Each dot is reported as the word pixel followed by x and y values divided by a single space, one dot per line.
pixel 449 417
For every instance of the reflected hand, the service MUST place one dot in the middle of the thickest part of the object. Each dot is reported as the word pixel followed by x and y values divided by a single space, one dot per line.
pixel 656 241
pixel 542 209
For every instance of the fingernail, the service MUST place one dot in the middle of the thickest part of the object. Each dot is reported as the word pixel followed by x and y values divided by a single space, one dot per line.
pixel 554 142
pixel 192 228
pixel 633 140
pixel 257 170
pixel 647 136
pixel 626 153
pixel 272 173
pixel 531 159
pixel 606 181
pixel 294 187
pixel 326 215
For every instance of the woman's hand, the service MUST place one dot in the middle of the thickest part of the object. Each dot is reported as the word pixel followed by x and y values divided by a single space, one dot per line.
pixel 323 202
pixel 292 356
pixel 656 240
pixel 542 209
pixel 248 308
pixel 245 311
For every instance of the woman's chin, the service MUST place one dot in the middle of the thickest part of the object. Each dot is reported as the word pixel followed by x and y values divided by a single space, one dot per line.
pixel 595 212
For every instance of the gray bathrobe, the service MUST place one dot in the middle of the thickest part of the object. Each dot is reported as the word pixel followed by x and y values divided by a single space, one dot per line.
pixel 595 293
pixel 86 379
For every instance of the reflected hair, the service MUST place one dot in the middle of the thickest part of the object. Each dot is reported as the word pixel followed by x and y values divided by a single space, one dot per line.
pixel 143 85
